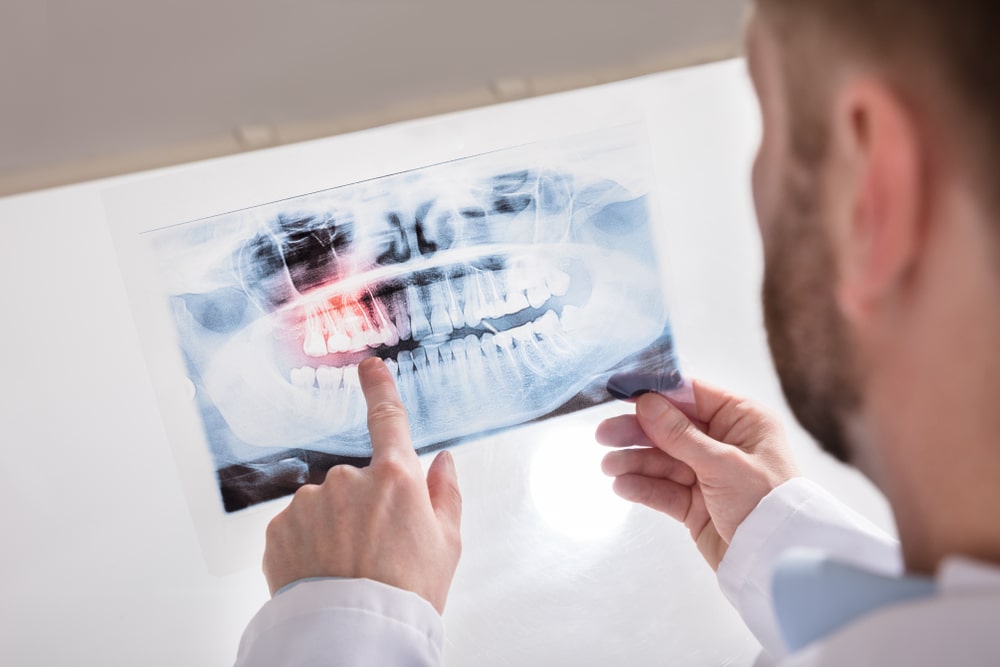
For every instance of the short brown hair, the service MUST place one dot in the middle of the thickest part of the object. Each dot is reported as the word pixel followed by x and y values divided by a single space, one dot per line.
pixel 938 53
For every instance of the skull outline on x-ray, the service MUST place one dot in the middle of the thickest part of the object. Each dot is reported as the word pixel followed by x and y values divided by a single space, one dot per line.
pixel 494 295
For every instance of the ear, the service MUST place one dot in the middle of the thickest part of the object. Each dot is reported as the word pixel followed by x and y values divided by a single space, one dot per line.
pixel 879 183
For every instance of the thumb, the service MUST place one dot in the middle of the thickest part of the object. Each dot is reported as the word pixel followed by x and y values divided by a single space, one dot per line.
pixel 442 485
pixel 671 431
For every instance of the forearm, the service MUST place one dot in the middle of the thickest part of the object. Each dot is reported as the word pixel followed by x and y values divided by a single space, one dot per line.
pixel 343 622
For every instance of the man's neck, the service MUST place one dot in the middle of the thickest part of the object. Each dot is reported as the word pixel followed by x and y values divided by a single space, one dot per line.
pixel 933 406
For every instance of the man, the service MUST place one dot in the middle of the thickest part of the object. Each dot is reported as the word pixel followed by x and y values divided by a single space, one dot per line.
pixel 881 227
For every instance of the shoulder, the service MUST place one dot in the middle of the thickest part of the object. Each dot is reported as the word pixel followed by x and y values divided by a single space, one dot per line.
pixel 955 631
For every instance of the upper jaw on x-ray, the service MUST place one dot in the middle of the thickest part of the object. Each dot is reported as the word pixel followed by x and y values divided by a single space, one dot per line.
pixel 493 300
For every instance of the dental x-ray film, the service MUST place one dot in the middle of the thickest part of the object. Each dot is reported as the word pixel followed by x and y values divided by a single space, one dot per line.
pixel 499 289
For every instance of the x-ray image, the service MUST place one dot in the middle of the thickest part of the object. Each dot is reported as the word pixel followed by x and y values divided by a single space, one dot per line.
pixel 499 289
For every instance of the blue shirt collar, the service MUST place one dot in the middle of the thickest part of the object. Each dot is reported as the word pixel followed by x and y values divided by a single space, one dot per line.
pixel 815 596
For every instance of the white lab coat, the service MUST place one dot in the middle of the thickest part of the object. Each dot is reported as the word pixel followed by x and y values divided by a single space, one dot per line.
pixel 360 622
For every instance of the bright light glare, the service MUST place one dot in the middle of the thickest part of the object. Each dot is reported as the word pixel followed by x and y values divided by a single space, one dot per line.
pixel 569 490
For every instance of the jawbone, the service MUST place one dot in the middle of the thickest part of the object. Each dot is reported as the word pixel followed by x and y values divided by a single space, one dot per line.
pixel 476 379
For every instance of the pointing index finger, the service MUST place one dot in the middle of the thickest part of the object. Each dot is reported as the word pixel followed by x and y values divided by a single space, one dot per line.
pixel 387 421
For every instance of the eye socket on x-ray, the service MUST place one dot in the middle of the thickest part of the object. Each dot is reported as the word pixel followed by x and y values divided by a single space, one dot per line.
pixel 496 296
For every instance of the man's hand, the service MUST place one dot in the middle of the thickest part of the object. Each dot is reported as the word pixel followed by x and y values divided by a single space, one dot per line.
pixel 709 473
pixel 384 522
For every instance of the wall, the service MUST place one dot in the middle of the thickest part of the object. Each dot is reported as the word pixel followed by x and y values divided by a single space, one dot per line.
pixel 114 86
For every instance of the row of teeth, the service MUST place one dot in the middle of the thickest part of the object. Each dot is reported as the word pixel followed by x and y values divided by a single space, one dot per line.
pixel 447 306
pixel 468 350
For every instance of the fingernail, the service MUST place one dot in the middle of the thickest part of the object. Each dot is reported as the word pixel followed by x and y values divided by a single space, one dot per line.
pixel 652 407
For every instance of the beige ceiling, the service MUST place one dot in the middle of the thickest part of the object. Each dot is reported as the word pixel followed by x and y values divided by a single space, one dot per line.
pixel 104 86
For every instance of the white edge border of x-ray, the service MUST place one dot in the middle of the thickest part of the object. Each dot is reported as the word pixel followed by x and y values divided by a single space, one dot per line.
pixel 233 542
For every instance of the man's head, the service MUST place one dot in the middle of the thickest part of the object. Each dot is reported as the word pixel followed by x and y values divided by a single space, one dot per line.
pixel 880 128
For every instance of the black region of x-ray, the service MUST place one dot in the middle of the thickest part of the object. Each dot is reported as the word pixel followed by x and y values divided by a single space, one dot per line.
pixel 497 297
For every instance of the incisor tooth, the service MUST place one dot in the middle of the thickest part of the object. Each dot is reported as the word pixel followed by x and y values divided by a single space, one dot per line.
pixel 338 342
pixel 307 377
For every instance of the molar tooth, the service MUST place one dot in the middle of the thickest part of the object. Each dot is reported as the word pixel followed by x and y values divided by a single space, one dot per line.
pixel 440 322
pixel 523 332
pixel 374 338
pixel 504 341
pixel 338 342
pixel 393 367
pixel 328 378
pixel 526 272
pixel 308 376
pixel 530 353
pixel 553 338
pixel 537 295
pixel 548 321
pixel 517 301
pixel 419 326
pixel 356 337
pixel 557 282
pixel 389 335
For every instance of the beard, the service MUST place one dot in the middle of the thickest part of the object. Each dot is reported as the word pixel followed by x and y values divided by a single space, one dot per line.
pixel 806 332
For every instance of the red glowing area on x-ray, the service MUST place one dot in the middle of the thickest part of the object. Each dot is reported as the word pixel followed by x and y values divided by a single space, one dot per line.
pixel 342 323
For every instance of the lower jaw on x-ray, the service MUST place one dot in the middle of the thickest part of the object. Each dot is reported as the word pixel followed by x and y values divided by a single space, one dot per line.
pixel 495 296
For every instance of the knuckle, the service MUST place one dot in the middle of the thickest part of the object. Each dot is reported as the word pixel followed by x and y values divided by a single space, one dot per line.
pixel 386 412
pixel 304 494
pixel 393 471
pixel 340 474
pixel 676 427
pixel 274 528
